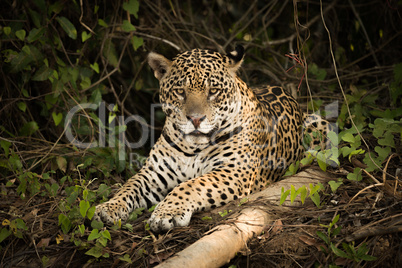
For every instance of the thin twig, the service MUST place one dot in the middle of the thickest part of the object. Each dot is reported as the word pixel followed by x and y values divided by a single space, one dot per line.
pixel 304 28
pixel 170 43
pixel 364 31
pixel 82 15
pixel 341 88
pixel 363 190
pixel 375 231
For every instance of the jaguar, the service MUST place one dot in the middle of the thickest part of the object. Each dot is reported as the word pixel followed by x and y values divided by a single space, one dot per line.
pixel 221 141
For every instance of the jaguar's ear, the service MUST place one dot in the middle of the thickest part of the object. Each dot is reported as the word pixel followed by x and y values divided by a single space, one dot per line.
pixel 159 64
pixel 236 58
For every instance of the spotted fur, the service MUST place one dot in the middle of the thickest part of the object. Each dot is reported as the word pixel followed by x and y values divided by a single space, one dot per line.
pixel 221 140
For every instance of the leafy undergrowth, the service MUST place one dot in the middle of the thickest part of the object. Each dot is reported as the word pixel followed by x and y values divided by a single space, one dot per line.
pixel 72 72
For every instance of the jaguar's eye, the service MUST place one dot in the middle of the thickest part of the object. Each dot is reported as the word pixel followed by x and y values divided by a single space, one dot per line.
pixel 213 91
pixel 179 91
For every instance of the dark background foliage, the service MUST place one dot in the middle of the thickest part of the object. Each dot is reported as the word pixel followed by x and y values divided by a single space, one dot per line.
pixel 59 54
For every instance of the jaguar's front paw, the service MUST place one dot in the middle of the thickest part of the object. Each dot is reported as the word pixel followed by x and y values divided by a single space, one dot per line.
pixel 166 217
pixel 111 212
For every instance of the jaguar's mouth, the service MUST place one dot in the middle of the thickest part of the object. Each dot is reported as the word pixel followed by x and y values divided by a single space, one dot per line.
pixel 198 136
pixel 199 133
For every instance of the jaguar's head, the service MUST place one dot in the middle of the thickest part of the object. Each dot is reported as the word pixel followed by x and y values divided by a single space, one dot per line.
pixel 199 92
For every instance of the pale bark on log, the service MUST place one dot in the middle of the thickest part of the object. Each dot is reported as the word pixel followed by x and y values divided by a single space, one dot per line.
pixel 224 241
pixel 217 248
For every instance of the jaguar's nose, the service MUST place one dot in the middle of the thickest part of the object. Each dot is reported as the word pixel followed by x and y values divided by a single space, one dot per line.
pixel 196 120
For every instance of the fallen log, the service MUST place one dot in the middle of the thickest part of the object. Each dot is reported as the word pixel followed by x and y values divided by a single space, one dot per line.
pixel 221 244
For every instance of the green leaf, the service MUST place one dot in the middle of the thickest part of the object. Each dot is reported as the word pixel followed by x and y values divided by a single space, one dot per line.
pixel 132 6
pixel 41 5
pixel 111 117
pixel 29 128
pixel 126 258
pixel 398 73
pixel 339 252
pixel 333 137
pixel 56 7
pixel 22 106
pixel 101 240
pixel 368 258
pixel 91 212
pixel 128 227
pixel 387 140
pixel 314 193
pixel 94 235
pixel 85 36
pixel 134 215
pixel 20 34
pixel 7 30
pixel 57 118
pixel 95 67
pixel 4 233
pixel 21 224
pixel 316 199
pixel 50 101
pixel 20 62
pixel 372 162
pixel 127 26
pixel 346 150
pixel 81 228
pixel 95 252
pixel 323 237
pixel 335 185
pixel 350 250
pixel 25 93
pixel 65 223
pixel 36 18
pixel 97 224
pixel 284 195
pixel 85 194
pixel 106 235
pixel 348 137
pixel 356 175
pixel 336 231
pixel 307 160
pixel 42 74
pixel 303 193
pixel 382 152
pixel 319 73
pixel 137 42
pixel 321 162
pixel 110 53
pixel 85 82
pixel 35 34
pixel 151 209
pixel 293 194
pixel 84 206
pixel 28 54
pixel 57 88
pixel 5 145
pixel 103 190
pixel 68 27
pixel 335 220
pixel 61 163
pixel 139 84
pixel 15 161
pixel 355 152
pixel 53 189
pixel 206 218
pixel 102 23
pixel 72 197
